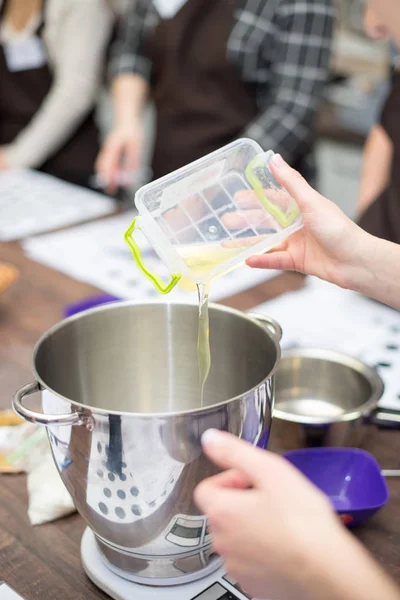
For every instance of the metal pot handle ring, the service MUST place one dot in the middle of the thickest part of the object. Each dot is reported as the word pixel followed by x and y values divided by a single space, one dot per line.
pixel 384 418
pixel 269 323
pixel 35 417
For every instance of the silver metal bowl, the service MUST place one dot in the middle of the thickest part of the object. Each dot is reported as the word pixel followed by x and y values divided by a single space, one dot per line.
pixel 321 398
pixel 121 401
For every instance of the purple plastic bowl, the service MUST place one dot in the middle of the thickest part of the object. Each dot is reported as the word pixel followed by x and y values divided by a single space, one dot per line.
pixel 350 477
pixel 88 303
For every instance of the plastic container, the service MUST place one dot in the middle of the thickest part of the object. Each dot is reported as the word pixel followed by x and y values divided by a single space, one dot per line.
pixel 207 218
pixel 350 477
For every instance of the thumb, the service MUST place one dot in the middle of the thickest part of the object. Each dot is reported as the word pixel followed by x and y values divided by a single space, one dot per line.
pixel 305 196
pixel 229 452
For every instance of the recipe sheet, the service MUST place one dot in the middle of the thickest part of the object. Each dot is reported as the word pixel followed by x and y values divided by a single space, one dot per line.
pixel 32 203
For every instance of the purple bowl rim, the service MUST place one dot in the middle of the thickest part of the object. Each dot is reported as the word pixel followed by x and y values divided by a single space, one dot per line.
pixel 333 449
pixel 89 302
pixel 346 450
pixel 95 298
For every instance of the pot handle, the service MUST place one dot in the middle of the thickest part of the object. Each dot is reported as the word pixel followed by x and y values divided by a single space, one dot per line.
pixel 385 418
pixel 270 324
pixel 35 417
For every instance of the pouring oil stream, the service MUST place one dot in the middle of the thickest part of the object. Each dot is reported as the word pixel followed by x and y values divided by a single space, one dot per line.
pixel 203 339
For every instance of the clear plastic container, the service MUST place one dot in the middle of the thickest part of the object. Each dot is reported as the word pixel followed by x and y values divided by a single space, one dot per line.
pixel 207 218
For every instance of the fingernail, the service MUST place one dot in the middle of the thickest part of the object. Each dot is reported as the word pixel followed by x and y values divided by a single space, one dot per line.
pixel 278 161
pixel 210 437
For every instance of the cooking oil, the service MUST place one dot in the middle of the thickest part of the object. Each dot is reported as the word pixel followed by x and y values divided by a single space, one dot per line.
pixel 203 338
pixel 201 259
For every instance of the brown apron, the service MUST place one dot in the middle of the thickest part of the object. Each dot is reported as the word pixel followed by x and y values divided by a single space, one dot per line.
pixel 382 217
pixel 201 101
pixel 21 96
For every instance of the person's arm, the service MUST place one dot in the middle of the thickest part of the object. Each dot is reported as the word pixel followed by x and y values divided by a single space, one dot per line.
pixel 130 71
pixel 122 147
pixel 351 573
pixel 298 66
pixel 380 271
pixel 83 36
pixel 129 95
pixel 275 546
pixel 331 246
pixel 375 174
pixel 127 53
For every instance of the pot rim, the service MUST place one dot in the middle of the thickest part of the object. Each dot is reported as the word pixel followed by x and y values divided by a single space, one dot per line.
pixel 120 304
pixel 369 373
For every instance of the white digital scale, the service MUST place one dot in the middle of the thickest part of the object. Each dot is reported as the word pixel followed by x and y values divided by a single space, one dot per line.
pixel 213 586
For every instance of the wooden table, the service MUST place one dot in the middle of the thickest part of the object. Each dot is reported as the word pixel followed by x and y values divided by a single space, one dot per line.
pixel 43 563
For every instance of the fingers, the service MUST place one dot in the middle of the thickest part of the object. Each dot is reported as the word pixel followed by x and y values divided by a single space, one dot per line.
pixel 305 196
pixel 108 164
pixel 232 479
pixel 278 258
pixel 242 219
pixel 243 242
pixel 263 469
pixel 117 154
pixel 217 501
pixel 213 492
pixel 131 155
pixel 269 474
pixel 247 199
pixel 275 261
pixel 229 452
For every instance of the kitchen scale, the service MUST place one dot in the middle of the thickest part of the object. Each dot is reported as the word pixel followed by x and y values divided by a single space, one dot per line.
pixel 213 586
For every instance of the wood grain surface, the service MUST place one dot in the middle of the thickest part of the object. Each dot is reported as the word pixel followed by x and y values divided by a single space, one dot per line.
pixel 43 563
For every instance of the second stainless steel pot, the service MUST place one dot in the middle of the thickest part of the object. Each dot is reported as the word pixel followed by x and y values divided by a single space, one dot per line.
pixel 120 398
pixel 322 398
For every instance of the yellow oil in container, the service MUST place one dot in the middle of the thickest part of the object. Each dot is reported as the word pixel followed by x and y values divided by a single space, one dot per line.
pixel 201 259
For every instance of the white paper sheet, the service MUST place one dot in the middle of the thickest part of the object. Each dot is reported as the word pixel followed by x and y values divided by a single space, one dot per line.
pixel 96 253
pixel 323 315
pixel 7 593
pixel 33 203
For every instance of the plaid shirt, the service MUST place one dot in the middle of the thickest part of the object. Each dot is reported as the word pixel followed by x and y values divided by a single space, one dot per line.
pixel 281 47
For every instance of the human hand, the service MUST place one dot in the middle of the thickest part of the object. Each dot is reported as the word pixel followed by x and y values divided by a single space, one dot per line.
pixel 272 535
pixel 329 246
pixel 3 160
pixel 121 151
pixel 278 534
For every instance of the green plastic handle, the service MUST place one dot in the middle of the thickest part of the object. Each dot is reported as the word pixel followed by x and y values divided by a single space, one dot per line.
pixel 257 185
pixel 137 255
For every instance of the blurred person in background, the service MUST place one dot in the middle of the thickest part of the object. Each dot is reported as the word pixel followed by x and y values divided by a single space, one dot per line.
pixel 271 547
pixel 395 57
pixel 52 55
pixel 379 198
pixel 217 70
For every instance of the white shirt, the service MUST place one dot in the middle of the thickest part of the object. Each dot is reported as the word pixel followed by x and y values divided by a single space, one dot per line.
pixel 76 33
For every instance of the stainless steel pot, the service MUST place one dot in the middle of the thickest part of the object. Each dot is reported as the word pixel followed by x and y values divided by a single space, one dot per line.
pixel 322 397
pixel 120 399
